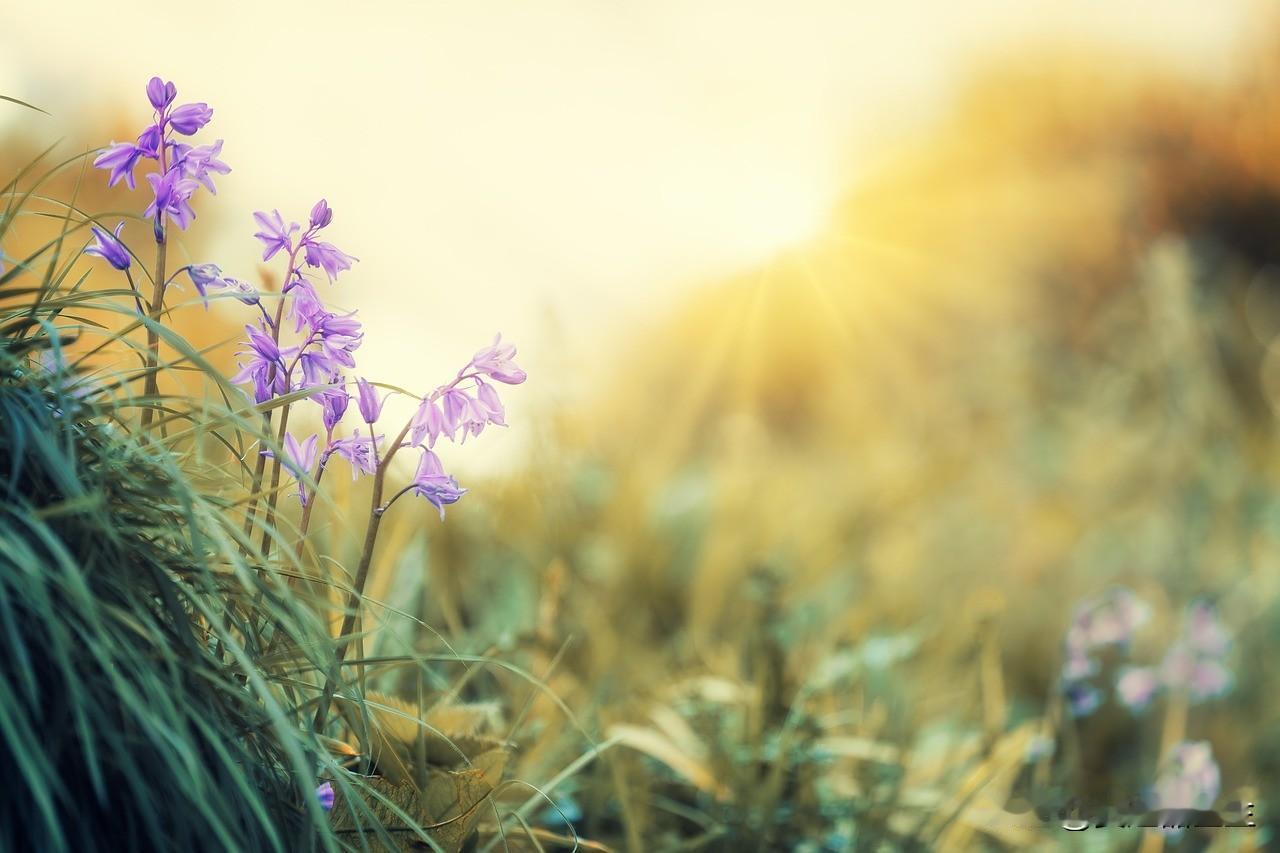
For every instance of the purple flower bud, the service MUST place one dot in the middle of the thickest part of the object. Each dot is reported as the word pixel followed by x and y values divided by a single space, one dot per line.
pixel 245 292
pixel 495 361
pixel 109 247
pixel 368 402
pixel 189 118
pixel 205 276
pixel 324 793
pixel 321 215
pixel 160 93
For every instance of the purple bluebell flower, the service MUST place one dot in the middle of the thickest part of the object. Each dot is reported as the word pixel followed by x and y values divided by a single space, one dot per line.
pixel 160 93
pixel 368 402
pixel 333 404
pixel 1078 666
pixel 265 367
pixel 488 396
pixel 321 215
pixel 432 483
pixel 328 257
pixel 172 194
pixel 109 248
pixel 205 276
pixel 242 290
pixel 428 424
pixel 120 158
pixel 199 161
pixel 150 142
pixel 495 361
pixel 1137 686
pixel 1194 663
pixel 189 118
pixel 324 793
pixel 1189 777
pixel 300 458
pixel 360 451
pixel 275 235
pixel 305 306
pixel 455 404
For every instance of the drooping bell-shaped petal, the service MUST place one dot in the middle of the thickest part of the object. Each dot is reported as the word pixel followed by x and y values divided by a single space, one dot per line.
pixel 488 396
pixel 432 483
pixel 333 404
pixel 428 424
pixel 275 235
pixel 328 257
pixel 495 361
pixel 204 277
pixel 120 158
pixel 150 142
pixel 109 248
pixel 367 401
pixel 189 118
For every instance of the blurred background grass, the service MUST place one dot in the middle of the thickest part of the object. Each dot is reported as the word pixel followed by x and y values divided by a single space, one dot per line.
pixel 803 539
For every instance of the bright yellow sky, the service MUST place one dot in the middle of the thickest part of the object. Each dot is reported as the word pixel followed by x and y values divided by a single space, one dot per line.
pixel 498 166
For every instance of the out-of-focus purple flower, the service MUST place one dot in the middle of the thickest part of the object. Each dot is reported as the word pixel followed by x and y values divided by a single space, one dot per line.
pixel 109 248
pixel 189 118
pixel 1136 686
pixel 428 424
pixel 1082 698
pixel 172 194
pixel 432 483
pixel 275 235
pixel 1189 777
pixel 368 402
pixel 1204 632
pixel 1209 679
pixel 120 158
pixel 328 257
pixel 1078 666
pixel 265 367
pixel 321 215
pixel 495 361
pixel 160 93
pixel 324 793
pixel 360 451
pixel 199 161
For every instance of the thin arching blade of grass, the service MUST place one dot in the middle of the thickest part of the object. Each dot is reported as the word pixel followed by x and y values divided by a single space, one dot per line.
pixel 20 201
pixel 16 200
pixel 22 103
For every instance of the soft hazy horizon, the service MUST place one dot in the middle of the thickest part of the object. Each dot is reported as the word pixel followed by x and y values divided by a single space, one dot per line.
pixel 551 170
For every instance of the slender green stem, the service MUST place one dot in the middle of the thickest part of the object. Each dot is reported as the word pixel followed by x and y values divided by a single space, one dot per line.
pixel 356 599
pixel 151 384
pixel 261 465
